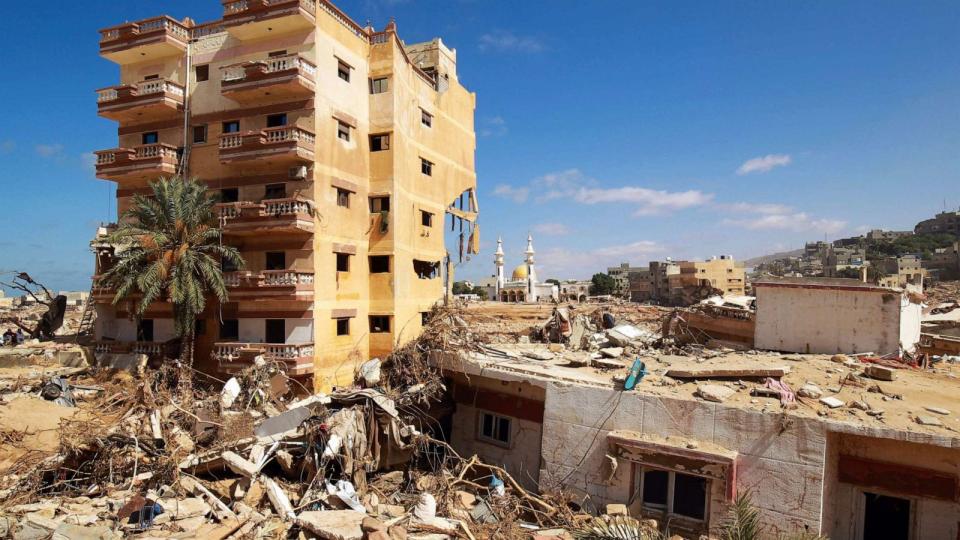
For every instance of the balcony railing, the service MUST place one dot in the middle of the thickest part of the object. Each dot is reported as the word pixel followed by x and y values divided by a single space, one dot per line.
pixel 297 358
pixel 285 142
pixel 146 26
pixel 148 160
pixel 142 88
pixel 145 101
pixel 268 278
pixel 149 39
pixel 149 348
pixel 275 64
pixel 291 215
pixel 239 7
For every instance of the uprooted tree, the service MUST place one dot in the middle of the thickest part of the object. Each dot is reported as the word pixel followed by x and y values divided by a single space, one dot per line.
pixel 56 306
pixel 168 249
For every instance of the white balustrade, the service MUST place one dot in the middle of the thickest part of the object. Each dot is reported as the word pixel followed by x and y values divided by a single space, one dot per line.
pixel 286 278
pixel 275 207
pixel 235 7
pixel 233 73
pixel 155 86
pixel 231 140
pixel 107 94
pixel 105 158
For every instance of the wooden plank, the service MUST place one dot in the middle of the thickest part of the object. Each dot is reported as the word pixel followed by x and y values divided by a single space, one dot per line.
pixel 896 478
pixel 726 372
pixel 462 214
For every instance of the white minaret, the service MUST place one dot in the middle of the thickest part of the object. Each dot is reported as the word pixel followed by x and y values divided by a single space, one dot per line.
pixel 531 272
pixel 498 261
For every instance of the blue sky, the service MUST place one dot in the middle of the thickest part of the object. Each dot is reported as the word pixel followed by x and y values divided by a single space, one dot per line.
pixel 610 130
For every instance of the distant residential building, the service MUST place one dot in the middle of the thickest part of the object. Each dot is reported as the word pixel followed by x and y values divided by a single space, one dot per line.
pixel 653 284
pixel 944 222
pixel 879 235
pixel 621 274
pixel 574 290
pixel 945 262
pixel 699 279
pixel 901 271
pixel 839 259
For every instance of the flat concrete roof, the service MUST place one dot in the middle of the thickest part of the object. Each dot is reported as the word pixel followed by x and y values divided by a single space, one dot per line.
pixel 821 283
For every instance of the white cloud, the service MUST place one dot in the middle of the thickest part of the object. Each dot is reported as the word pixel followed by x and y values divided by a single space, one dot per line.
pixel 754 208
pixel 49 150
pixel 515 194
pixel 565 263
pixel 551 229
pixel 794 221
pixel 494 126
pixel 503 41
pixel 764 164
pixel 650 201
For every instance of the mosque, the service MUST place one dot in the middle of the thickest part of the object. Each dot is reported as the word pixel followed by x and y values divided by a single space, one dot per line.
pixel 523 285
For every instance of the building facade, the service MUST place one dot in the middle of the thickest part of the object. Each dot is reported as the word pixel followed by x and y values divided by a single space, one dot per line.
pixel 944 222
pixel 622 275
pixel 698 279
pixel 337 152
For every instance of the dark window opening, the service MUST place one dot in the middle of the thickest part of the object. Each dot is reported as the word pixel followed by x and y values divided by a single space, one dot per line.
pixel 426 269
pixel 886 517
pixel 379 264
pixel 200 134
pixel 151 77
pixel 689 496
pixel 275 260
pixel 145 330
pixel 228 266
pixel 150 137
pixel 343 327
pixel 231 126
pixel 276 120
pixel 424 317
pixel 343 130
pixel 379 204
pixel 343 70
pixel 199 327
pixel 379 142
pixel 275 330
pixel 343 198
pixel 426 218
pixel 379 324
pixel 275 191
pixel 495 428
pixel 275 54
pixel 343 262
pixel 202 72
pixel 426 167
pixel 230 330
pixel 379 86
pixel 229 195
pixel 655 487
pixel 426 118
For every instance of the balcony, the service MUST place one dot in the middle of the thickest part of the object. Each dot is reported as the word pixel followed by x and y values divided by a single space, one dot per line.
pixel 149 39
pixel 292 215
pixel 253 19
pixel 282 77
pixel 270 284
pixel 149 348
pixel 297 358
pixel 286 144
pixel 140 163
pixel 145 101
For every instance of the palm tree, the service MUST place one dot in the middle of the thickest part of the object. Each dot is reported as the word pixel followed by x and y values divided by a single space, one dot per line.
pixel 169 249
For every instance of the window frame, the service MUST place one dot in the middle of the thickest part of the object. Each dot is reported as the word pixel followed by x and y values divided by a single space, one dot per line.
pixel 204 130
pixel 381 88
pixel 386 326
pixel 345 258
pixel 234 190
pixel 426 218
pixel 380 258
pixel 226 124
pixel 496 425
pixel 343 74
pixel 426 118
pixel 380 199
pixel 426 166
pixel 233 336
pixel 345 322
pixel 271 190
pixel 277 256
pixel 201 68
pixel 381 138
pixel 343 130
pixel 155 135
pixel 279 117
pixel 343 197
pixel 668 510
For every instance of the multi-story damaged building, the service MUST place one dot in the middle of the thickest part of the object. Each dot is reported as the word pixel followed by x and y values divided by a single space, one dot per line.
pixel 622 275
pixel 687 282
pixel 337 152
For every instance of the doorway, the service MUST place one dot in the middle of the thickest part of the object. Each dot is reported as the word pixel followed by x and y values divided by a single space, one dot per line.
pixel 885 517
pixel 275 331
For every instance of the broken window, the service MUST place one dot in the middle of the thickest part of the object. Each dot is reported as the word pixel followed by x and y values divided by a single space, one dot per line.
pixel 275 330
pixel 343 70
pixel 275 191
pixel 145 330
pixel 494 428
pixel 343 326
pixel 343 130
pixel 379 86
pixel 202 72
pixel 426 218
pixel 426 269
pixel 674 493
pixel 275 260
pixel 343 262
pixel 379 204
pixel 379 264
pixel 150 137
pixel 231 126
pixel 379 142
pixel 230 330
pixel 426 167
pixel 426 118
pixel 200 134
pixel 276 120
pixel 424 317
pixel 229 195
pixel 343 198
pixel 379 324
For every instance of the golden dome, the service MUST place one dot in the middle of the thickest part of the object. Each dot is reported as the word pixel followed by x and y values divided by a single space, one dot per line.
pixel 520 272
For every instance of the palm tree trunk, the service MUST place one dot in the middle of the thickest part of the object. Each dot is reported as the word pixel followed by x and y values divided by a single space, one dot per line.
pixel 185 376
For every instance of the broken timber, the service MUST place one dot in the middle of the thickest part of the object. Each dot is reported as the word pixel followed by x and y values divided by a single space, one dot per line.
pixel 728 372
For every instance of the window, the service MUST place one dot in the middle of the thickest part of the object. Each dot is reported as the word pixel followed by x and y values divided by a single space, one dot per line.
pixel 426 167
pixel 426 269
pixel 379 204
pixel 150 137
pixel 674 493
pixel 424 317
pixel 495 429
pixel 426 118
pixel 231 126
pixel 426 218
pixel 379 86
pixel 343 198
pixel 379 324
pixel 199 327
pixel 200 134
pixel 275 330
pixel 228 266
pixel 151 77
pixel 145 330
pixel 343 262
pixel 275 260
pixel 343 70
pixel 343 327
pixel 275 54
pixel 230 330
pixel 379 264
pixel 275 191
pixel 229 195
pixel 202 72
pixel 885 516
pixel 379 142
pixel 276 120
pixel 343 130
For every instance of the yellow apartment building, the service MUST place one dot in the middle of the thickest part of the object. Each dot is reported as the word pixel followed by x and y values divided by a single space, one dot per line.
pixel 337 152
pixel 699 278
